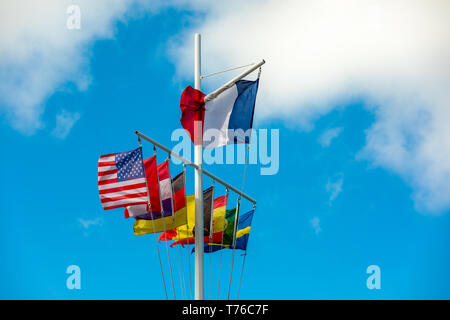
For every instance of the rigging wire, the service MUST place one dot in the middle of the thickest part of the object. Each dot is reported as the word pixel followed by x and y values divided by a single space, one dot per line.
pixel 243 263
pixel 221 243
pixel 215 73
pixel 182 282
pixel 236 218
pixel 164 226
pixel 154 233
pixel 180 258
pixel 211 216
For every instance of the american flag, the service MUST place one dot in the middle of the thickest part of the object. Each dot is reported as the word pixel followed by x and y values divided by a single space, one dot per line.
pixel 121 179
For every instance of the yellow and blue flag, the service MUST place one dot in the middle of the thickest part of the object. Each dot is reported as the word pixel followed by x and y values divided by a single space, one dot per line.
pixel 243 230
pixel 242 235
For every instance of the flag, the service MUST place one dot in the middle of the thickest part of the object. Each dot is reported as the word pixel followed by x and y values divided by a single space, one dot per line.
pixel 186 231
pixel 227 234
pixel 242 235
pixel 229 229
pixel 179 191
pixel 192 107
pixel 121 179
pixel 216 238
pixel 182 231
pixel 160 187
pixel 229 114
pixel 152 184
pixel 136 210
pixel 142 226
pixel 243 230
pixel 219 225
pixel 165 187
pixel 208 208
pixel 151 172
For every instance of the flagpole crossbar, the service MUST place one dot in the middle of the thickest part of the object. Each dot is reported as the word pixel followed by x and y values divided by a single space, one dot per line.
pixel 193 165
pixel 230 83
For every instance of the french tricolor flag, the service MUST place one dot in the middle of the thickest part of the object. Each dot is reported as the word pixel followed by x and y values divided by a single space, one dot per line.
pixel 225 116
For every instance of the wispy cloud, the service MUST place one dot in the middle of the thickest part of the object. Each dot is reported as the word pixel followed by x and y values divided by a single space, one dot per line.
pixel 326 137
pixel 334 188
pixel 315 223
pixel 87 224
pixel 64 123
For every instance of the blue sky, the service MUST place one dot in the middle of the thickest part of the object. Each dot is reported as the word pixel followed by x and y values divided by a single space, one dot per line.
pixel 338 203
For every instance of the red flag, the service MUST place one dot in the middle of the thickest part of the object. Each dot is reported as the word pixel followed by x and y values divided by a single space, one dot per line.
pixel 152 182
pixel 192 107
pixel 168 235
pixel 179 191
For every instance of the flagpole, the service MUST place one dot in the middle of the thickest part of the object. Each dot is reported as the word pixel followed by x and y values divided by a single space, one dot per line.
pixel 198 159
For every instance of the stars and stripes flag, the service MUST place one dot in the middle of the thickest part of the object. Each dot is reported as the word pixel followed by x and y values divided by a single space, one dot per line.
pixel 121 179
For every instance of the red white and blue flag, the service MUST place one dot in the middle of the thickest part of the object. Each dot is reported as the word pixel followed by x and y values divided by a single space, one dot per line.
pixel 121 179
pixel 229 114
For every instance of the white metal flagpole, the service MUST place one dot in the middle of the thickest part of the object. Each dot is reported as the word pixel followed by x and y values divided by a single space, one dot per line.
pixel 198 159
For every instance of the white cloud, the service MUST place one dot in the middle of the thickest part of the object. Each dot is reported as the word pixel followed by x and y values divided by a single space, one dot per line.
pixel 326 137
pixel 86 224
pixel 334 187
pixel 323 53
pixel 64 123
pixel 315 223
pixel 39 54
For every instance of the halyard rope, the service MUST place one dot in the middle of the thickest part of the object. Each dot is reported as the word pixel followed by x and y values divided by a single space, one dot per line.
pixel 154 234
